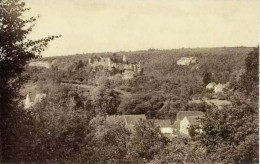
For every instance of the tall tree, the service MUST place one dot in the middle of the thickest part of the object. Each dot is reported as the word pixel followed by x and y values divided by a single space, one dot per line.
pixel 146 141
pixel 15 50
pixel 110 140
pixel 249 80
pixel 233 130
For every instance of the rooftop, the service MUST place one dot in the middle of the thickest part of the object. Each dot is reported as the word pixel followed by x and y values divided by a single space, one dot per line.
pixel 182 114
pixel 163 123
pixel 193 119
pixel 130 120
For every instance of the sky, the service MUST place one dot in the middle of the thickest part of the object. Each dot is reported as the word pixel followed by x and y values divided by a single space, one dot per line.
pixel 90 26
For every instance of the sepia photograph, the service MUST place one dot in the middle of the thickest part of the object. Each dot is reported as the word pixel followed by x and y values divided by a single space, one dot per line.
pixel 129 81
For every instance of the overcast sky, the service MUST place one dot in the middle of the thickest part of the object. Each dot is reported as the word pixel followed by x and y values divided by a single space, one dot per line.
pixel 123 25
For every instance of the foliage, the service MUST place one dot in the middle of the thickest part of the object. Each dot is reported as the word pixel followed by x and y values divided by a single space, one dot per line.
pixel 58 128
pixel 97 139
pixel 65 128
pixel 233 130
pixel 179 150
pixel 146 141
pixel 250 78
pixel 141 104
pixel 105 101
pixel 164 90
pixel 207 78
pixel 71 125
pixel 110 139
pixel 172 105
pixel 15 50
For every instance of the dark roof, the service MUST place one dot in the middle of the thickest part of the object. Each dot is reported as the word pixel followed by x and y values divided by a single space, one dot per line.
pixel 163 123
pixel 129 120
pixel 133 119
pixel 193 119
pixel 116 117
pixel 182 114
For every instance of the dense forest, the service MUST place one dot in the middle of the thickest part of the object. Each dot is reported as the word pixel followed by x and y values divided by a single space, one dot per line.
pixel 163 89
pixel 70 124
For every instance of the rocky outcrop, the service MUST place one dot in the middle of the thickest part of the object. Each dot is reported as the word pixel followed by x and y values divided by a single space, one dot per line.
pixel 185 61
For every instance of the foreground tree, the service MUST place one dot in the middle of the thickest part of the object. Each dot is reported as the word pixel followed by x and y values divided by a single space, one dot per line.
pixel 109 140
pixel 15 50
pixel 249 80
pixel 178 151
pixel 233 130
pixel 146 141
pixel 61 127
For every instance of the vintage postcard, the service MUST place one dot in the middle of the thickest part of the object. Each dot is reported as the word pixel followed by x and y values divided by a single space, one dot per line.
pixel 129 81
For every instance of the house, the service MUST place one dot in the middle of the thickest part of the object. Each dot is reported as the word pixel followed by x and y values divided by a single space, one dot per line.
pixel 184 120
pixel 217 88
pixel 166 127
pixel 220 87
pixel 211 85
pixel 32 99
pixel 182 114
pixel 130 120
pixel 28 102
pixel 176 126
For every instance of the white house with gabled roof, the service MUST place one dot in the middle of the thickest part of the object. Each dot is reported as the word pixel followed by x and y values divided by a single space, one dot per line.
pixel 184 120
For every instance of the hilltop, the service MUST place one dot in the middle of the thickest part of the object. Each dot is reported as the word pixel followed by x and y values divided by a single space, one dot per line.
pixel 162 63
pixel 164 85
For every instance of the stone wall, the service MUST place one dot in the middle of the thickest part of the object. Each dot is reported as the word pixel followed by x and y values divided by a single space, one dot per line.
pixel 128 69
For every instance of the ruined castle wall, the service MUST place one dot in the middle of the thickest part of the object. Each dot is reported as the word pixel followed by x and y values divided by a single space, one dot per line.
pixel 128 74
pixel 105 62
pixel 108 63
